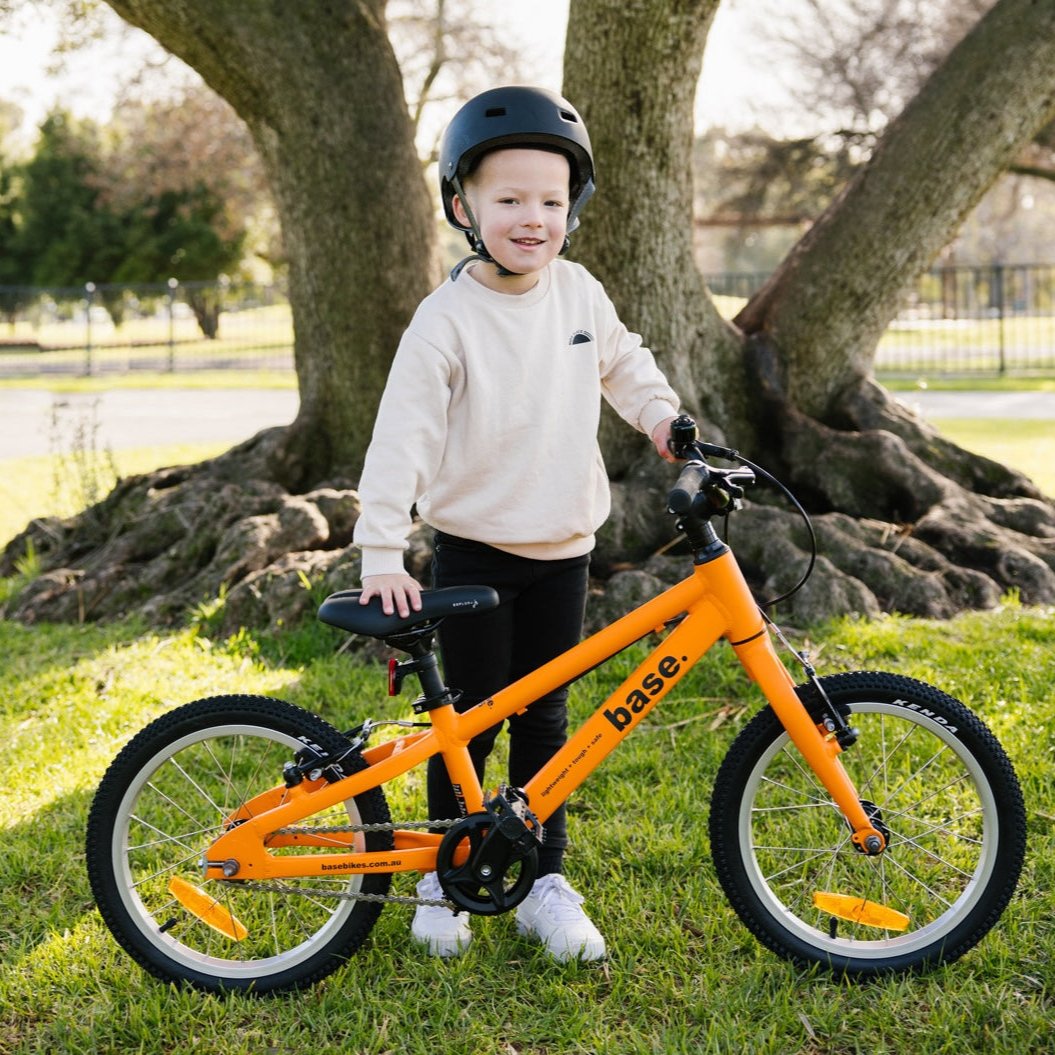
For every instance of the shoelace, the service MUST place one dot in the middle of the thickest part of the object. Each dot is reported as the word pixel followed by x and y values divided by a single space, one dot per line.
pixel 561 900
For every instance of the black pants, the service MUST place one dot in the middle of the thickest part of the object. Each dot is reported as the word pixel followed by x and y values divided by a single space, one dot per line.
pixel 539 616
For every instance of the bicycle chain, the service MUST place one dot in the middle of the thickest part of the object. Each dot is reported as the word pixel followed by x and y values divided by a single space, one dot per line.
pixel 391 826
pixel 340 895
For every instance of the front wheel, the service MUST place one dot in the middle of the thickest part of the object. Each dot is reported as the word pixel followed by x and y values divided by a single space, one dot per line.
pixel 927 771
pixel 168 795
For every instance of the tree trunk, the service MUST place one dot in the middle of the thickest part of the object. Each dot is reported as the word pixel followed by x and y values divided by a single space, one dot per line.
pixel 320 90
pixel 907 520
pixel 829 302
pixel 632 71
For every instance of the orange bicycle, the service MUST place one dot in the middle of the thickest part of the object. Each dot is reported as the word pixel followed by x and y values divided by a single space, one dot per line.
pixel 866 822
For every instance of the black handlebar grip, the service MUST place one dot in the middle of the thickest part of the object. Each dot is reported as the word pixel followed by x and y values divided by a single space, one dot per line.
pixel 690 480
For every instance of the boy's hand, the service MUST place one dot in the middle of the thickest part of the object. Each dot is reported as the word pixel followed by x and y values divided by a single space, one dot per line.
pixel 661 439
pixel 398 593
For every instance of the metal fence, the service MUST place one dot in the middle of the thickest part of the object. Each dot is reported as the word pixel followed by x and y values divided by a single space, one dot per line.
pixel 955 320
pixel 177 326
pixel 998 319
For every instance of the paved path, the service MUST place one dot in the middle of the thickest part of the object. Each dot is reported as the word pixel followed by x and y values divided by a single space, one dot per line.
pixel 35 421
pixel 1013 405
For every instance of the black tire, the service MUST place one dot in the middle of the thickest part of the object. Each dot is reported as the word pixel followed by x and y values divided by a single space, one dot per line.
pixel 943 786
pixel 165 798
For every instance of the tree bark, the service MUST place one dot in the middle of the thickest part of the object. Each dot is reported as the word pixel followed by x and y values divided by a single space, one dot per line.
pixel 908 521
pixel 632 70
pixel 320 90
pixel 829 302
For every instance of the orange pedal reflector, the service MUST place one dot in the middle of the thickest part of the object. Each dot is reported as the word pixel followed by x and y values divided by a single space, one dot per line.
pixel 206 908
pixel 858 910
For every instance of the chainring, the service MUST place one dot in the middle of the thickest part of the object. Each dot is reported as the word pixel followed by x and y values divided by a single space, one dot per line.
pixel 494 876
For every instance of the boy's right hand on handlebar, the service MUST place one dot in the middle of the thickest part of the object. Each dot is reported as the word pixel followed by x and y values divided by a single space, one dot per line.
pixel 399 593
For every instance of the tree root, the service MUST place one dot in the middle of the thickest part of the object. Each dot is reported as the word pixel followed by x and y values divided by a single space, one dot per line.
pixel 905 521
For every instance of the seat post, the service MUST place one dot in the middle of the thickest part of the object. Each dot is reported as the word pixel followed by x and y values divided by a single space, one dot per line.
pixel 418 645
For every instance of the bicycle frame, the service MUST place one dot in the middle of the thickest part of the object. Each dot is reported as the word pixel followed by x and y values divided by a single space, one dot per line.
pixel 715 602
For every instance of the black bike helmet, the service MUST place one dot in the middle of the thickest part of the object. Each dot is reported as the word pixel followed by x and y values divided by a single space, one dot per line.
pixel 513 116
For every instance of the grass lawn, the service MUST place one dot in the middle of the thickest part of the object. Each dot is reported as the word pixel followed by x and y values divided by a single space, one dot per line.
pixel 683 975
pixel 45 485
pixel 1026 445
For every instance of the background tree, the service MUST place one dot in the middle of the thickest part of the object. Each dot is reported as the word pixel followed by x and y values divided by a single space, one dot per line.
pixel 850 66
pixel 14 291
pixel 907 520
pixel 76 214
pixel 175 235
pixel 448 50
pixel 64 232
pixel 192 144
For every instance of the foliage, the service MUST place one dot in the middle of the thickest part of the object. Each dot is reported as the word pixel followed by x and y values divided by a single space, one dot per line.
pixel 683 975
pixel 852 66
pixel 62 225
pixel 13 292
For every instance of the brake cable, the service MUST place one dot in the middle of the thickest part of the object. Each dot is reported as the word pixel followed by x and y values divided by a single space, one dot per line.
pixel 728 454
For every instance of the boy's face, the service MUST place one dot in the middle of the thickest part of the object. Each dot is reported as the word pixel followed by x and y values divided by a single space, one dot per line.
pixel 520 199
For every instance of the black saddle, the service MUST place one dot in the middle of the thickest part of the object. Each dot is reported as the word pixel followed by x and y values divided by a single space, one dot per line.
pixel 343 610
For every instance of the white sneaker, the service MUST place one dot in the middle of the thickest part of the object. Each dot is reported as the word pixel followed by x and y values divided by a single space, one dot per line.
pixel 552 913
pixel 439 929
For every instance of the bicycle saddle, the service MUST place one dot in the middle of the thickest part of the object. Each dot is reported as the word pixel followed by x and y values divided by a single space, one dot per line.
pixel 343 609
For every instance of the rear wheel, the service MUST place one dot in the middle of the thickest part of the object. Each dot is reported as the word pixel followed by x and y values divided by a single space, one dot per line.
pixel 930 774
pixel 168 795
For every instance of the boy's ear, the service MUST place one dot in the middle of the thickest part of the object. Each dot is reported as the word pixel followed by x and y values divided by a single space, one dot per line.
pixel 459 211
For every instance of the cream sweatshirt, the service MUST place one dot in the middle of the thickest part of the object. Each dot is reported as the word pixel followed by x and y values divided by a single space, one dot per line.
pixel 489 418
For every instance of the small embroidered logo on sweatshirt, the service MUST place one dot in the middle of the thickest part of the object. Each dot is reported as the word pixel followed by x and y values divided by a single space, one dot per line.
pixel 581 337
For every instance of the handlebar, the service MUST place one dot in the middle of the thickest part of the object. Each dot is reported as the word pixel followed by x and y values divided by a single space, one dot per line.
pixel 691 480
pixel 703 491
pixel 719 489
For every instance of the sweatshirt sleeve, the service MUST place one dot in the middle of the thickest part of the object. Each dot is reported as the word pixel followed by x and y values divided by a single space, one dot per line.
pixel 404 453
pixel 630 379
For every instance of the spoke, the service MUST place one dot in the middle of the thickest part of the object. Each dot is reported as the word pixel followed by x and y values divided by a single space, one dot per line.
pixel 799 806
pixel 172 839
pixel 944 826
pixel 905 810
pixel 807 795
pixel 797 762
pixel 894 863
pixel 815 855
pixel 166 837
pixel 172 802
pixel 917 774
pixel 882 765
pixel 197 787
pixel 166 870
pixel 934 856
pixel 248 781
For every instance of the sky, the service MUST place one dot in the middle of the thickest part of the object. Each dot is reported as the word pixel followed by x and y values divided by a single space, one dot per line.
pixel 736 88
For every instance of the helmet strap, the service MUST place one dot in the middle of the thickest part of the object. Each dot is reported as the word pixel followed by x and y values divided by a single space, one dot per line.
pixel 476 242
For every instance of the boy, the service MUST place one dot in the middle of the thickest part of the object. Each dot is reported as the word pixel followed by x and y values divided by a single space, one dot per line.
pixel 489 423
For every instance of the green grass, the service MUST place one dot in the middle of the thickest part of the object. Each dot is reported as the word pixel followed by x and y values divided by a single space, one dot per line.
pixel 153 379
pixel 969 383
pixel 46 485
pixel 683 975
pixel 1026 445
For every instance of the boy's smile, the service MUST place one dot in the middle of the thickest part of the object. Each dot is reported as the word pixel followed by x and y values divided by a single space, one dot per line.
pixel 520 200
